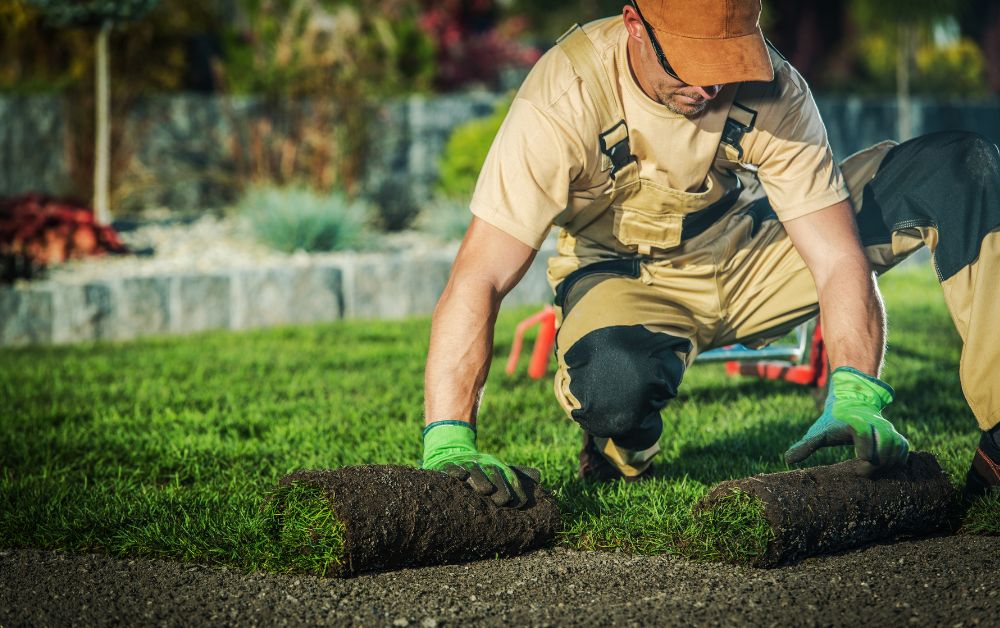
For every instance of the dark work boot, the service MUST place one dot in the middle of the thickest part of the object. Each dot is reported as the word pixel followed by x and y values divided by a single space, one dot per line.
pixel 984 475
pixel 595 467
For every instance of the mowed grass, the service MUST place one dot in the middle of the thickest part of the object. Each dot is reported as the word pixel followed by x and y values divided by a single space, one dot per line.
pixel 169 447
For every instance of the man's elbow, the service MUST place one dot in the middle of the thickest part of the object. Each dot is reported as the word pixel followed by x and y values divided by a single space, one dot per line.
pixel 847 266
pixel 491 256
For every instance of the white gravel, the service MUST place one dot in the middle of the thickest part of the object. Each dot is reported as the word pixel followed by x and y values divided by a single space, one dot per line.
pixel 212 243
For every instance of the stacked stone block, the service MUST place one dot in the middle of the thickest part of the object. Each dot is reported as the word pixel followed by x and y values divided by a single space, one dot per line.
pixel 366 286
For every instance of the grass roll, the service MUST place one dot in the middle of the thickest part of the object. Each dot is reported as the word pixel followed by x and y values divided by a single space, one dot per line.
pixel 367 518
pixel 778 518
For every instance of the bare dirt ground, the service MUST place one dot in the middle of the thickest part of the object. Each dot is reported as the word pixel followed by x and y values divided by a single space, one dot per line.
pixel 948 581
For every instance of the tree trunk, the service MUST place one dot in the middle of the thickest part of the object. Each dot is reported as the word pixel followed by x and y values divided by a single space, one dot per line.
pixel 102 150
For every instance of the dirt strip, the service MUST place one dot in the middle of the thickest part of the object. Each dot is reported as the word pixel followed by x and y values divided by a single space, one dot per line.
pixel 941 581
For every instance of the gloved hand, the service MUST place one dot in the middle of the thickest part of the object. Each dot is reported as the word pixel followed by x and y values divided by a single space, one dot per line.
pixel 450 447
pixel 853 414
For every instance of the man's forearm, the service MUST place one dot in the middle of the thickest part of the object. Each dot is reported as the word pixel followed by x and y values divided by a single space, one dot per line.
pixel 461 349
pixel 853 317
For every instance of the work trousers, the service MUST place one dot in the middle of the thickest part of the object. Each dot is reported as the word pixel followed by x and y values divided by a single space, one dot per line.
pixel 629 329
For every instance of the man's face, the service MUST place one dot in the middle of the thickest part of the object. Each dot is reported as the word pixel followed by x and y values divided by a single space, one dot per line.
pixel 674 94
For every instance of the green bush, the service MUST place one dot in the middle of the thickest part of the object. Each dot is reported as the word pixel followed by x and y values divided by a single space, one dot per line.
pixel 465 153
pixel 958 67
pixel 292 219
pixel 938 70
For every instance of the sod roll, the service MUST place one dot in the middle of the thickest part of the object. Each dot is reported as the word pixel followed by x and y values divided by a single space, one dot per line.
pixel 377 517
pixel 829 508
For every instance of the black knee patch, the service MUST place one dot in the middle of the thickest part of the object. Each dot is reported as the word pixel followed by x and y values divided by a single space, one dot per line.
pixel 623 376
pixel 950 181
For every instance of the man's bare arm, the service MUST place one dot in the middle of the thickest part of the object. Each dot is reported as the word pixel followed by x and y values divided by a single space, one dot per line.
pixel 489 264
pixel 851 307
pixel 854 333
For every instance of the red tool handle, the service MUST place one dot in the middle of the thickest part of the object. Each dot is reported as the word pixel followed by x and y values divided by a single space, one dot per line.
pixel 515 350
pixel 543 344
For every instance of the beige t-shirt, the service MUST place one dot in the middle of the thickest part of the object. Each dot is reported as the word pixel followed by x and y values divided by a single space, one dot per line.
pixel 544 166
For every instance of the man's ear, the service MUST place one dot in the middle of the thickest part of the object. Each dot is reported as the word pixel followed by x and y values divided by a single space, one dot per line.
pixel 633 24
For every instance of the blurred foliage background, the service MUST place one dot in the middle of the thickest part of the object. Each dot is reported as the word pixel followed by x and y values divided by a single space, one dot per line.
pixel 377 49
pixel 325 64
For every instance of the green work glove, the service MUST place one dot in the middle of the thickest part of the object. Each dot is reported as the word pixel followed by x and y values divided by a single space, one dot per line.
pixel 450 447
pixel 853 414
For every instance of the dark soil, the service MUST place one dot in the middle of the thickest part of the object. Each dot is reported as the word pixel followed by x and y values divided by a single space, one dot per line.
pixel 834 508
pixel 396 516
pixel 945 581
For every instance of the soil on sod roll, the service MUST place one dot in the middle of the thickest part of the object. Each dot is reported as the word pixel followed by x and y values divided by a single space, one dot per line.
pixel 831 508
pixel 389 516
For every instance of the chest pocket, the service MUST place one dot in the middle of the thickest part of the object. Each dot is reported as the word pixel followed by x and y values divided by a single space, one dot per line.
pixel 648 215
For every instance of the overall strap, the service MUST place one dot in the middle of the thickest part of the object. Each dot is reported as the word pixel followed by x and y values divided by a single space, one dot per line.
pixel 582 54
pixel 742 119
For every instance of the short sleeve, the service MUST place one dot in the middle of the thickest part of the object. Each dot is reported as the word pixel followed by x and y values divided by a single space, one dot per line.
pixel 795 163
pixel 524 183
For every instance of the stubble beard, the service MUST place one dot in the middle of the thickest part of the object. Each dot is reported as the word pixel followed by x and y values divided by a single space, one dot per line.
pixel 667 98
pixel 685 110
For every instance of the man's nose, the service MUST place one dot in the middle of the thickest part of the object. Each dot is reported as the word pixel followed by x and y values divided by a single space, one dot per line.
pixel 708 92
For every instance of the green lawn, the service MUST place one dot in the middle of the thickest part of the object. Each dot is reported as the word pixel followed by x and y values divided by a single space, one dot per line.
pixel 168 447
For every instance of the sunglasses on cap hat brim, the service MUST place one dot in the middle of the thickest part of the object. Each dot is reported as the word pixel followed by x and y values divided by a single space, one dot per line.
pixel 662 58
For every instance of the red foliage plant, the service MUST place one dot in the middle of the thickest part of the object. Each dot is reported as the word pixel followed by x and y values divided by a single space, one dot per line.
pixel 37 230
pixel 473 43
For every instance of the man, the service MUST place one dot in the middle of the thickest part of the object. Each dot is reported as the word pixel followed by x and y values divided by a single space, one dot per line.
pixel 700 205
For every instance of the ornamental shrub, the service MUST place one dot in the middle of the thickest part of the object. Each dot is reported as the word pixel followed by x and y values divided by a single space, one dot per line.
pixel 37 230
pixel 465 153
pixel 299 219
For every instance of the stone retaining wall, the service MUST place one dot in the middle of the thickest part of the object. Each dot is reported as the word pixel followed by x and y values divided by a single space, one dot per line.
pixel 372 286
pixel 354 286
pixel 182 147
pixel 33 142
pixel 192 151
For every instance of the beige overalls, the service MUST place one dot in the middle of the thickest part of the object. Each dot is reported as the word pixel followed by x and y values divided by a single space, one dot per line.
pixel 714 267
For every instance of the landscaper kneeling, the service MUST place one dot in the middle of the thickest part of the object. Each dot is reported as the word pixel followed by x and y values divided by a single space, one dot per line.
pixel 699 205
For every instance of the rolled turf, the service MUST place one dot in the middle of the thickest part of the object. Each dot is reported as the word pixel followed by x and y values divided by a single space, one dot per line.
pixel 376 517
pixel 778 518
